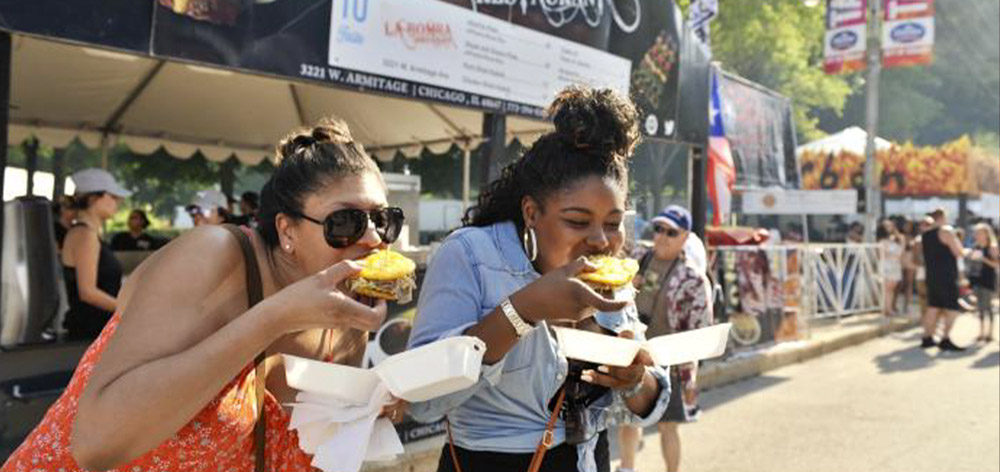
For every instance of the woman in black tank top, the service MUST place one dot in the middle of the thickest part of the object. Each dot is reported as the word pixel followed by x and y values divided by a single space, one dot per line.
pixel 91 272
pixel 983 261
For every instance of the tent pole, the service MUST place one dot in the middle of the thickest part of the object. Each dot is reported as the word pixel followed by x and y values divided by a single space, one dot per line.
pixel 466 169
pixel 59 181
pixel 494 137
pixel 699 194
pixel 104 151
pixel 31 157
pixel 4 120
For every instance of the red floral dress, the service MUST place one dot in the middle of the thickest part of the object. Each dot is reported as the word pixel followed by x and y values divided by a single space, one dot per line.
pixel 219 438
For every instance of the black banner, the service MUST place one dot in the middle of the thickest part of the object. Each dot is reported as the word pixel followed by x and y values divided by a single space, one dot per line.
pixel 761 133
pixel 119 24
pixel 291 38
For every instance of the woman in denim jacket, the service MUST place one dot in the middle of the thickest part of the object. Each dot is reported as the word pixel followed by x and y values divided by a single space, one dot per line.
pixel 508 276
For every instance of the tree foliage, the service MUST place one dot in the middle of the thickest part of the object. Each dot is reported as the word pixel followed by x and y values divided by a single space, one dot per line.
pixel 956 95
pixel 779 44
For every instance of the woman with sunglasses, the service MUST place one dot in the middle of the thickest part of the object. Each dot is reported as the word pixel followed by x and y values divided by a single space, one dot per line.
pixel 91 272
pixel 508 276
pixel 188 373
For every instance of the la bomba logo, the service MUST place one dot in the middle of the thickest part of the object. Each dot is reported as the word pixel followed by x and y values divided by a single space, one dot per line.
pixel 415 34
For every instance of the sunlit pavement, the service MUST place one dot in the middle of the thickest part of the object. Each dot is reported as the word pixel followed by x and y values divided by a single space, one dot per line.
pixel 882 406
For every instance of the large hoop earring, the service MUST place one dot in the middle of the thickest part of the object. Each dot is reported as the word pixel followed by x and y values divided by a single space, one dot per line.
pixel 530 248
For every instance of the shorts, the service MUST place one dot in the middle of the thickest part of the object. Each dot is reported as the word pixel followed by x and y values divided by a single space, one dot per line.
pixel 984 302
pixel 677 411
pixel 943 294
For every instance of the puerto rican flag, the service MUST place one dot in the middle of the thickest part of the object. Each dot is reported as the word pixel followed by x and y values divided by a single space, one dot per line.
pixel 721 172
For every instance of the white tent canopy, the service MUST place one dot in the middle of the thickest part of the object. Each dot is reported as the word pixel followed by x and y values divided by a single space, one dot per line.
pixel 852 139
pixel 62 91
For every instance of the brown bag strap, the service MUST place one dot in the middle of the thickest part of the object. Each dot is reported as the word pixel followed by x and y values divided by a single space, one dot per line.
pixel 548 437
pixel 255 293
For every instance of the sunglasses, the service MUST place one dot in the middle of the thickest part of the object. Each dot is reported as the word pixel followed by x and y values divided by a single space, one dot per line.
pixel 670 232
pixel 343 228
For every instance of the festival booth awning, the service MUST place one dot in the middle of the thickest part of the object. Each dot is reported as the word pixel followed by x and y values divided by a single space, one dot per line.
pixel 61 92
pixel 230 78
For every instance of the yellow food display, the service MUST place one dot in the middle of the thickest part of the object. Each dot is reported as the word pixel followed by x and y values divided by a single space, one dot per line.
pixel 954 168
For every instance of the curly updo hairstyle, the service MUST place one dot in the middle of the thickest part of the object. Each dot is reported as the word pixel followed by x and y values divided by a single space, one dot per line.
pixel 308 160
pixel 596 131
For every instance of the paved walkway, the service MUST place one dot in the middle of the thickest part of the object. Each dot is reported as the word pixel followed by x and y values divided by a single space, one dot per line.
pixel 882 406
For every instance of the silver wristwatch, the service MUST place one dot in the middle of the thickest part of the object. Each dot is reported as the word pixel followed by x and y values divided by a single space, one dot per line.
pixel 521 327
pixel 635 389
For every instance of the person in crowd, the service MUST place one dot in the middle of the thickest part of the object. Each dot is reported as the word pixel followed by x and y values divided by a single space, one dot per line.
pixel 675 295
pixel 249 206
pixel 983 262
pixel 893 245
pixel 136 238
pixel 855 233
pixel 209 207
pixel 920 274
pixel 191 363
pixel 91 272
pixel 63 214
pixel 942 250
pixel 507 277
pixel 908 229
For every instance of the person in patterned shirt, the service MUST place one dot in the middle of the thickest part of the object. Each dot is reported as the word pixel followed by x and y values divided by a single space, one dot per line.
pixel 674 295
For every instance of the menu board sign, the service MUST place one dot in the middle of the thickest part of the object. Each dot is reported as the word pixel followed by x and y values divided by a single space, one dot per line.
pixel 468 58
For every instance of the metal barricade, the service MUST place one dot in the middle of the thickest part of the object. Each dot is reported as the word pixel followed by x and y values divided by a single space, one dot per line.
pixel 842 279
pixel 770 293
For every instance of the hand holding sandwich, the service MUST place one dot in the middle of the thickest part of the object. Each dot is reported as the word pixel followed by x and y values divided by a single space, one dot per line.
pixel 320 301
pixel 562 295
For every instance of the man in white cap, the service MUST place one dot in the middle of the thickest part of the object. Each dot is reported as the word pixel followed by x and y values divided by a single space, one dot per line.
pixel 209 207
pixel 674 295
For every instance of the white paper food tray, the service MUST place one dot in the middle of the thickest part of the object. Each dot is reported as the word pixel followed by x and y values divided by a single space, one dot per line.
pixel 689 346
pixel 433 370
pixel 420 374
pixel 350 384
pixel 672 349
pixel 597 348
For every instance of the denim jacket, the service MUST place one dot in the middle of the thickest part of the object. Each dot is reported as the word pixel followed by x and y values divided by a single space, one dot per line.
pixel 507 410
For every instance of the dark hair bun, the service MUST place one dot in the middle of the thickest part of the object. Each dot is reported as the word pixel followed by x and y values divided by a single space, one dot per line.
pixel 596 120
pixel 326 131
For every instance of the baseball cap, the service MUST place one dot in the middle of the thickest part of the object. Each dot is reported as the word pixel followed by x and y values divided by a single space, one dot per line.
pixel 674 216
pixel 98 180
pixel 208 200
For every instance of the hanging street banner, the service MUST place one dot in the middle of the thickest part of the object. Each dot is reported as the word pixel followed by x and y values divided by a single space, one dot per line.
pixel 846 36
pixel 760 131
pixel 700 15
pixel 908 33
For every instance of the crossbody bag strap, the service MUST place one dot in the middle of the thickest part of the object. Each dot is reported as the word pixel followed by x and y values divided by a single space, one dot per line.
pixel 548 437
pixel 255 293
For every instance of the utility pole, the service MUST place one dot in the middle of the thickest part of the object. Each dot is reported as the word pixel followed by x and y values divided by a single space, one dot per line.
pixel 873 183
